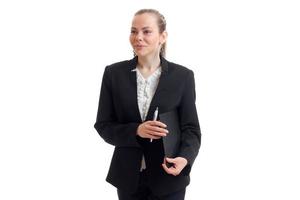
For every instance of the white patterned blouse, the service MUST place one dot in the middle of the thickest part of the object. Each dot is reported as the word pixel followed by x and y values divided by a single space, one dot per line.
pixel 145 91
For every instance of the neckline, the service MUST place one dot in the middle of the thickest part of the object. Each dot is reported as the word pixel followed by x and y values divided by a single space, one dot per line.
pixel 154 74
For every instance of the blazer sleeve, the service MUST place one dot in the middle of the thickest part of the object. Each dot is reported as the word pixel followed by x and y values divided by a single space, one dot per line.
pixel 113 132
pixel 190 128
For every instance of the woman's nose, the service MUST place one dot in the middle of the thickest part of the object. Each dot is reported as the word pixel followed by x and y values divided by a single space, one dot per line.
pixel 139 36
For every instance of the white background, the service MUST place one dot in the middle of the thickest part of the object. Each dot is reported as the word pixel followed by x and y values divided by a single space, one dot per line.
pixel 245 55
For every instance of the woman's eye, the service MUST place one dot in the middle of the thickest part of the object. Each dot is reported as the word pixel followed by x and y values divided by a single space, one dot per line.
pixel 147 32
pixel 133 32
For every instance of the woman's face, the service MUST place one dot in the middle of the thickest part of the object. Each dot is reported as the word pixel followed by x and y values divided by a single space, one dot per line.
pixel 145 37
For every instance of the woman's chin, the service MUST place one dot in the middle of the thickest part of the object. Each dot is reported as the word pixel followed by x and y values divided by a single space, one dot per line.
pixel 140 54
pixel 144 54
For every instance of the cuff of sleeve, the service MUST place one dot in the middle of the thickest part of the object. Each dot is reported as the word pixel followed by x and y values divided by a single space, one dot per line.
pixel 133 128
pixel 190 160
pixel 188 157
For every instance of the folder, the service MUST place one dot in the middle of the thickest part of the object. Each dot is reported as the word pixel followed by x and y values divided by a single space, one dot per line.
pixel 171 142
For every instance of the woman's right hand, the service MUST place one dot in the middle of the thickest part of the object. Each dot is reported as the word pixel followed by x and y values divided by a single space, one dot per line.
pixel 152 130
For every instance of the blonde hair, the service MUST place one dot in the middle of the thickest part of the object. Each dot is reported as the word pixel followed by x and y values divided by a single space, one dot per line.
pixel 162 25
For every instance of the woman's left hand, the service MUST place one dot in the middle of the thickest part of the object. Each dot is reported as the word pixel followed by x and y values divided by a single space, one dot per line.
pixel 178 164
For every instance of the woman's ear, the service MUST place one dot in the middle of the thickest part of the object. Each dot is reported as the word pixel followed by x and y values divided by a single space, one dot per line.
pixel 163 37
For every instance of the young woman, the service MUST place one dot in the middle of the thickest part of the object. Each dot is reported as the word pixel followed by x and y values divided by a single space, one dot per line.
pixel 130 93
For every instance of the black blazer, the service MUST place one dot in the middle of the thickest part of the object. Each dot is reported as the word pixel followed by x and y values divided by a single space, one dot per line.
pixel 118 118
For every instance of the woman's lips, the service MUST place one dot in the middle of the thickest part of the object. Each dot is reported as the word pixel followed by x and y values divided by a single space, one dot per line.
pixel 139 46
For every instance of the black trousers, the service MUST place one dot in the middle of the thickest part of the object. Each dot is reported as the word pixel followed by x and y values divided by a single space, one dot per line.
pixel 144 193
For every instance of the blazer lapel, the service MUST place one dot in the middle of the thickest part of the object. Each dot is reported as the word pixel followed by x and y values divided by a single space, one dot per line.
pixel 132 78
pixel 132 71
pixel 160 88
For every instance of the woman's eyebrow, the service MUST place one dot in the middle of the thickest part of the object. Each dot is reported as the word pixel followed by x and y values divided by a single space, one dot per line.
pixel 146 27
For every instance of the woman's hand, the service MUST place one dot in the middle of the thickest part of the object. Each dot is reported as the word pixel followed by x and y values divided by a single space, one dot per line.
pixel 178 164
pixel 152 130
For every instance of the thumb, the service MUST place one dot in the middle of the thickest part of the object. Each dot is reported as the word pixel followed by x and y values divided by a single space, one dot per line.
pixel 170 160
